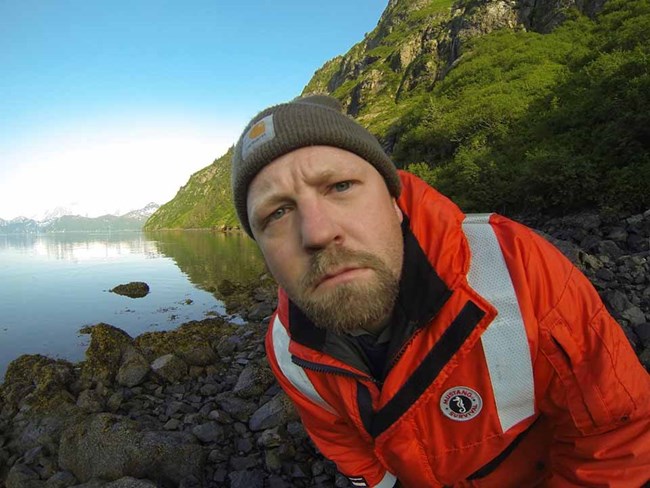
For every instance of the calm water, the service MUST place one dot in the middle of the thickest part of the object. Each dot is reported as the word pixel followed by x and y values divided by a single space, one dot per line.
pixel 52 285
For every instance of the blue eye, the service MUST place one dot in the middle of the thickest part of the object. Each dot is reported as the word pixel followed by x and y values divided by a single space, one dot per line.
pixel 278 214
pixel 342 186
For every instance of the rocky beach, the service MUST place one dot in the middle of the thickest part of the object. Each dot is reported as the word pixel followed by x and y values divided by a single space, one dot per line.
pixel 199 407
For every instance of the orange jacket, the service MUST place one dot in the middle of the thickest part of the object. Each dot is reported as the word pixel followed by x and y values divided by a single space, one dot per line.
pixel 505 371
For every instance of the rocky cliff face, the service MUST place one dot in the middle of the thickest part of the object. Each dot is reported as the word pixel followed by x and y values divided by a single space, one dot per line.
pixel 415 44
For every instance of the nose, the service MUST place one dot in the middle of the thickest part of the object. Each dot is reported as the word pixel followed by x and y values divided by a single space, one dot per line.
pixel 318 226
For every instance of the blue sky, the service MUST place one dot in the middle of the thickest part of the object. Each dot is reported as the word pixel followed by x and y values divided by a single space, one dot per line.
pixel 106 106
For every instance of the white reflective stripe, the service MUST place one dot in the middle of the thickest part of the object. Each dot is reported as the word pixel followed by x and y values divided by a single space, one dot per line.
pixel 505 343
pixel 294 373
pixel 388 481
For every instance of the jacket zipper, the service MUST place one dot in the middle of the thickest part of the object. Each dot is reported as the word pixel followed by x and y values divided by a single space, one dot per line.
pixel 402 349
pixel 323 368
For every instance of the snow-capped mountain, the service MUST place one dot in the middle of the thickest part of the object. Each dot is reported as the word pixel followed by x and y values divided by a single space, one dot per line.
pixel 58 221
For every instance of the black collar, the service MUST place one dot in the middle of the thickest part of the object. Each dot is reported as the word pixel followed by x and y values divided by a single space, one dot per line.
pixel 422 293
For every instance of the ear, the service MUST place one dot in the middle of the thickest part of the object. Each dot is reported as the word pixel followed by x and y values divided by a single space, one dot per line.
pixel 398 211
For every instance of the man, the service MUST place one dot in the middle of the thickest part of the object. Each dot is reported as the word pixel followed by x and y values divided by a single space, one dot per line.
pixel 423 347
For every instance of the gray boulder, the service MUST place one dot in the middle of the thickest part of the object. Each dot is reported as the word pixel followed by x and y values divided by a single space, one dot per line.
pixel 110 447
pixel 254 379
pixel 278 411
pixel 170 368
pixel 133 370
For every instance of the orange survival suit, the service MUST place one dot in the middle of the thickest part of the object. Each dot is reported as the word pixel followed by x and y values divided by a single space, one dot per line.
pixel 505 369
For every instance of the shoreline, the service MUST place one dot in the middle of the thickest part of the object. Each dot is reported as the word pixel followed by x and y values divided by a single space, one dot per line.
pixel 198 405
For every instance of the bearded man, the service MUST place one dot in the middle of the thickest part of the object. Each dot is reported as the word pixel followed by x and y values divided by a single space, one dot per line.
pixel 423 347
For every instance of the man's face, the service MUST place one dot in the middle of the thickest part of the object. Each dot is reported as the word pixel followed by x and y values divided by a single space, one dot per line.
pixel 330 234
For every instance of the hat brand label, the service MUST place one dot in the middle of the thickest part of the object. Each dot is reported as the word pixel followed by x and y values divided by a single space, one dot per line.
pixel 263 131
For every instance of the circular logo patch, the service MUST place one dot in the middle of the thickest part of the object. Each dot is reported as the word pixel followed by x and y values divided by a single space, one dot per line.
pixel 461 403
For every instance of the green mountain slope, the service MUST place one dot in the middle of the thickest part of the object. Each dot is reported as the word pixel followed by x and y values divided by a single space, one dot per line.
pixel 205 202
pixel 540 106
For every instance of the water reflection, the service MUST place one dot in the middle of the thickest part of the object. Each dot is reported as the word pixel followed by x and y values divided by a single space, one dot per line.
pixel 53 284
pixel 81 246
pixel 208 257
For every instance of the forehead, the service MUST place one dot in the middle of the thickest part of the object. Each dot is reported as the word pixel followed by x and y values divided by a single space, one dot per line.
pixel 307 165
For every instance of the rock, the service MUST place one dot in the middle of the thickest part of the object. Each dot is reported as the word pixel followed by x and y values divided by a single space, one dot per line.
pixel 227 288
pixel 38 382
pixel 260 311
pixel 644 357
pixel 108 344
pixel 90 401
pixel 129 482
pixel 270 438
pixel 616 300
pixel 635 315
pixel 21 476
pixel 172 424
pixel 246 479
pixel 110 447
pixel 133 370
pixel 95 483
pixel 227 346
pixel 170 368
pixel 199 354
pixel 62 479
pixel 208 432
pixel 114 401
pixel 254 379
pixel 609 248
pixel 238 408
pixel 279 410
pixel 239 463
pixel 134 289
pixel 643 333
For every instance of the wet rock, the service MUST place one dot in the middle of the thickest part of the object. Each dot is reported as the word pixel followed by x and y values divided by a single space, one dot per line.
pixel 134 289
pixel 108 345
pixel 227 288
pixel 110 447
pixel 170 368
pixel 38 382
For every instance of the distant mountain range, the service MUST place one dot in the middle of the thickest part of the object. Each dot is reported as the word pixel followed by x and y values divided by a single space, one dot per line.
pixel 55 222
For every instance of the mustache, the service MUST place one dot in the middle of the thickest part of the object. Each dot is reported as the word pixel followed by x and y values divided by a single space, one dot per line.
pixel 324 261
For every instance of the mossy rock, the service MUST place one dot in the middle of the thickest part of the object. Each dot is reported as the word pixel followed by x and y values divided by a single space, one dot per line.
pixel 135 289
pixel 184 340
pixel 108 345
pixel 37 381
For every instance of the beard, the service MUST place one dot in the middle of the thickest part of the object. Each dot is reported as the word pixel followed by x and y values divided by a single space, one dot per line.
pixel 350 305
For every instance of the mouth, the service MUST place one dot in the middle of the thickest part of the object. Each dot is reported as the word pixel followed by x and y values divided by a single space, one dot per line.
pixel 340 275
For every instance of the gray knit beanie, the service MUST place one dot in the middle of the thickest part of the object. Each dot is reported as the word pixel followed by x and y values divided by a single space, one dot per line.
pixel 314 120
